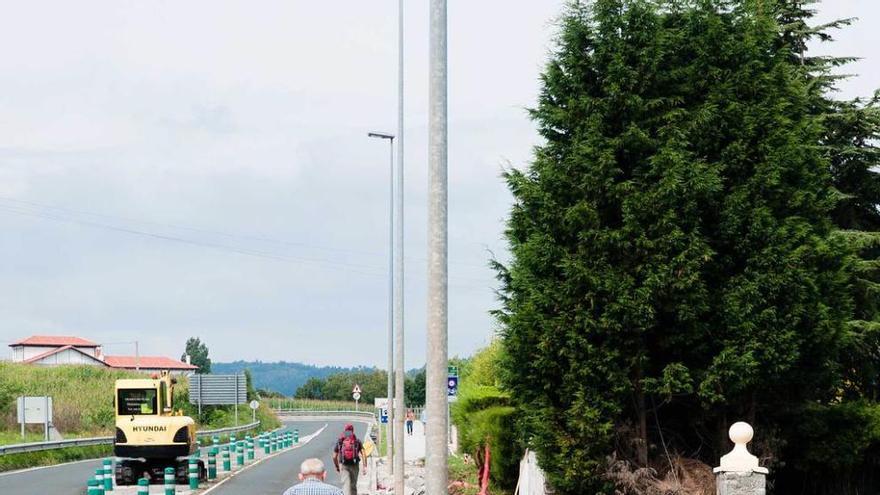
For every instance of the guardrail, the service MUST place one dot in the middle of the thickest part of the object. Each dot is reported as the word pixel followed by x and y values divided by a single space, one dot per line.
pixel 311 412
pixel 87 442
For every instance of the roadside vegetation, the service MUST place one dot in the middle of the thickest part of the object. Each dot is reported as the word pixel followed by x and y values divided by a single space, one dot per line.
pixel 83 407
pixel 373 382
pixel 695 243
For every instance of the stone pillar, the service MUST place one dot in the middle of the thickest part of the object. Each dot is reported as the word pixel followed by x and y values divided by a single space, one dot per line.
pixel 739 473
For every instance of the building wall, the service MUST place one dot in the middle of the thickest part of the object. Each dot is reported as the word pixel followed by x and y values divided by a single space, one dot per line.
pixel 25 352
pixel 69 356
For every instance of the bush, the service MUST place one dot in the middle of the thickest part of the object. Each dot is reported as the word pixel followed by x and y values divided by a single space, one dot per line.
pixel 485 416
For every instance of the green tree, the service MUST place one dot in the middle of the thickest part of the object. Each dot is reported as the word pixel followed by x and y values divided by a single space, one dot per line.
pixel 415 388
pixel 198 353
pixel 313 388
pixel 674 263
pixel 251 390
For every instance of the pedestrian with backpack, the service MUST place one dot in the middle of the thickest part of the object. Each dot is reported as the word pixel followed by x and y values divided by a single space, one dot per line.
pixel 348 455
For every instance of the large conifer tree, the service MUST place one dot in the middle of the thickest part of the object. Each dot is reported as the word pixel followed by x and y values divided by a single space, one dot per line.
pixel 674 264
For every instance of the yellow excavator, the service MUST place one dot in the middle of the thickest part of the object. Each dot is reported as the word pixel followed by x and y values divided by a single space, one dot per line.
pixel 150 435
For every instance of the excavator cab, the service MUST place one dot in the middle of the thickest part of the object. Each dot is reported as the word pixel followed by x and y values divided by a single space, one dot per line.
pixel 150 436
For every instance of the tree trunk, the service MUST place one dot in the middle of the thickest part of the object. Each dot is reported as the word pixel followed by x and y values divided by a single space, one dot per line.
pixel 643 419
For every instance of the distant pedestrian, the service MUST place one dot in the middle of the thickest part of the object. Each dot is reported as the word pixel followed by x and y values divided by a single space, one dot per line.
pixel 311 476
pixel 348 456
pixel 410 417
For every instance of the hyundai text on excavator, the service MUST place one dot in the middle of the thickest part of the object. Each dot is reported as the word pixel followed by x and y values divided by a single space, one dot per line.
pixel 150 435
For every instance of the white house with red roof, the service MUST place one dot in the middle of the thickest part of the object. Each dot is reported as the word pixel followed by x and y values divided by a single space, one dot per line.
pixel 53 350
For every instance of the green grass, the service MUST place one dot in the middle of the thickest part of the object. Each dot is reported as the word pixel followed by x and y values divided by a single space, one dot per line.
pixel 318 405
pixel 459 471
pixel 383 445
pixel 12 462
pixel 82 399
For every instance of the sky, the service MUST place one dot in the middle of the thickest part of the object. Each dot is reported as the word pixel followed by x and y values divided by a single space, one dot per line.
pixel 202 168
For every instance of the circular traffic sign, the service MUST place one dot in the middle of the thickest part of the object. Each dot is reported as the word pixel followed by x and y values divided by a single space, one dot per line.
pixel 452 383
pixel 254 404
pixel 356 395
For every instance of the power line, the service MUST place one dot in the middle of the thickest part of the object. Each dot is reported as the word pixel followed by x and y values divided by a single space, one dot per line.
pixel 362 269
pixel 246 237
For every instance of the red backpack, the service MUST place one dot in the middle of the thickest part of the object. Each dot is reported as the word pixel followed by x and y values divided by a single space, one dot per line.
pixel 349 449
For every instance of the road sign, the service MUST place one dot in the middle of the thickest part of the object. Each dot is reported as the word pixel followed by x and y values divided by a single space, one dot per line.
pixel 383 415
pixel 452 386
pixel 380 402
pixel 453 370
pixel 356 389
pixel 34 410
pixel 356 396
pixel 254 405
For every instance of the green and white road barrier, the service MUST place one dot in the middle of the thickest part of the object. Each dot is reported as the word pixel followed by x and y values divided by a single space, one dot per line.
pixel 143 487
pixel 212 463
pixel 99 477
pixel 264 442
pixel 108 475
pixel 216 440
pixel 227 465
pixel 198 448
pixel 170 481
pixel 92 487
pixel 193 473
pixel 239 454
pixel 296 435
pixel 250 448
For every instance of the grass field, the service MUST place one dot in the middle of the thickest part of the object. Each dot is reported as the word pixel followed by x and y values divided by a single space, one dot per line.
pixel 318 405
pixel 82 399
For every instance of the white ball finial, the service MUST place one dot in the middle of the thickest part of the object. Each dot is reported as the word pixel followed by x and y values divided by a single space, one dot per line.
pixel 740 460
pixel 741 433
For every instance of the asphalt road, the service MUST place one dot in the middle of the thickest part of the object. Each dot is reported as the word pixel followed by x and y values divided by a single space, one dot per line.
pixel 70 479
pixel 274 476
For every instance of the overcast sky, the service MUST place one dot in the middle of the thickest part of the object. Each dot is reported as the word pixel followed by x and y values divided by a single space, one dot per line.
pixel 201 168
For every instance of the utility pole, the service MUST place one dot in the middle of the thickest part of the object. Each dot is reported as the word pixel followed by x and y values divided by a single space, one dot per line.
pixel 437 441
pixel 399 397
pixel 389 431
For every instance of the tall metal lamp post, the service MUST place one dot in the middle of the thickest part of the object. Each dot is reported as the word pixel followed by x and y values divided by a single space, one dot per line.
pixel 389 435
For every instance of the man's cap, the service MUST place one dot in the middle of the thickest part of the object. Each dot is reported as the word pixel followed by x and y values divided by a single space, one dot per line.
pixel 349 427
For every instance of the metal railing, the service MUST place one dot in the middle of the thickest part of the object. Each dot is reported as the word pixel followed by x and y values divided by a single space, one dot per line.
pixel 87 442
pixel 312 412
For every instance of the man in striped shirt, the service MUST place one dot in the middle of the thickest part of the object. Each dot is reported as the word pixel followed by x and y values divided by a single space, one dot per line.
pixel 312 474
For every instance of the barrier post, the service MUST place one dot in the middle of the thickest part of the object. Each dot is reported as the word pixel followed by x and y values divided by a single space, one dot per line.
pixel 193 473
pixel 143 487
pixel 296 435
pixel 250 448
pixel 170 481
pixel 227 465
pixel 212 463
pixel 108 475
pixel 264 441
pixel 99 478
pixel 92 486
pixel 239 454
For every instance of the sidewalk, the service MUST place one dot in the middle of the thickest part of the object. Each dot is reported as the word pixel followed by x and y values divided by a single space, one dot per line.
pixel 414 446
pixel 414 455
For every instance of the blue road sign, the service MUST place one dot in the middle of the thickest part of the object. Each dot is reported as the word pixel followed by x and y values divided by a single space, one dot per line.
pixel 384 416
pixel 452 386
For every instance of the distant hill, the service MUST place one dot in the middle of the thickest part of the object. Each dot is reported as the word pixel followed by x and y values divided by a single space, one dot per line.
pixel 281 377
